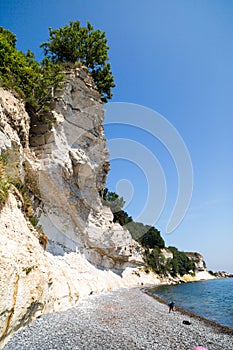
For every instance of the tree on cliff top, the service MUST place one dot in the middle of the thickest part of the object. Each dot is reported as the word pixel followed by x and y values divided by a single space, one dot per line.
pixel 22 73
pixel 73 43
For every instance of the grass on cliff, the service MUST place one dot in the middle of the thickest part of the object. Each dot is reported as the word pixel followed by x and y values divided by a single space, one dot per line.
pixel 5 184
pixel 8 183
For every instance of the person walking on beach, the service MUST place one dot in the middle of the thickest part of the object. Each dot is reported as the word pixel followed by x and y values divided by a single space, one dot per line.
pixel 171 305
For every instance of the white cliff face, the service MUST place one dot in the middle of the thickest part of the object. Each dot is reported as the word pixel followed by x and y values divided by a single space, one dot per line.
pixel 34 282
pixel 65 169
pixel 72 173
pixel 64 166
pixel 14 122
pixel 198 260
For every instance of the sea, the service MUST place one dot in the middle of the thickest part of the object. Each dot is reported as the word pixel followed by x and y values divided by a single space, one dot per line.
pixel 212 299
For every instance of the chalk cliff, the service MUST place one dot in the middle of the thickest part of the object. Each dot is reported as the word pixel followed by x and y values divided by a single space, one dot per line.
pixel 70 175
pixel 58 239
pixel 57 166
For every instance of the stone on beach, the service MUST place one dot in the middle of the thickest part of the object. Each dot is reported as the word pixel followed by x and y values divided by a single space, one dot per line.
pixel 123 319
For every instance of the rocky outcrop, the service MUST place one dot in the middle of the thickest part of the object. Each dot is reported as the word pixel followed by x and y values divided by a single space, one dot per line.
pixel 24 271
pixel 14 122
pixel 167 253
pixel 71 174
pixel 198 260
pixel 222 274
pixel 62 161
pixel 198 276
pixel 34 282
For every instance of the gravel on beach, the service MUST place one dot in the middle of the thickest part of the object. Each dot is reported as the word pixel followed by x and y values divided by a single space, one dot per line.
pixel 122 319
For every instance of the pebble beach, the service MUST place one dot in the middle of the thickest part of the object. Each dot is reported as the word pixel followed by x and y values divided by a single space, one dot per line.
pixel 122 319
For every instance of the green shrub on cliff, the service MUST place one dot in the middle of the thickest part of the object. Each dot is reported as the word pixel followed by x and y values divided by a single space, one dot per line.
pixel 21 72
pixel 150 238
pixel 4 181
pixel 180 263
pixel 15 70
pixel 116 203
pixel 35 81
pixel 155 259
pixel 73 43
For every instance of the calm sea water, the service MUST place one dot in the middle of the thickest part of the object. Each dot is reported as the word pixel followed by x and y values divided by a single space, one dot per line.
pixel 211 299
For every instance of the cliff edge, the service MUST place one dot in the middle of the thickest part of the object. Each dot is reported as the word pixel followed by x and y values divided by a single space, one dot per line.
pixel 58 241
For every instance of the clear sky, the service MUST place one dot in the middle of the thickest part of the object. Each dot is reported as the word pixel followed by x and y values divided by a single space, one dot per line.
pixel 173 57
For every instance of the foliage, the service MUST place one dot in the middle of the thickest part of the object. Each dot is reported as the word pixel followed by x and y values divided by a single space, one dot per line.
pixel 10 37
pixel 14 68
pixel 27 205
pixel 7 181
pixel 28 269
pixel 8 165
pixel 152 239
pixel 73 43
pixel 21 72
pixel 122 218
pixel 137 229
pixel 48 77
pixel 4 181
pixel 155 260
pixel 180 264
pixel 113 200
pixel 116 203
pixel 153 242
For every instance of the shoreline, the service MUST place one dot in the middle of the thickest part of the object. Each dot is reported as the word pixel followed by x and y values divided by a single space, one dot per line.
pixel 219 327
pixel 127 318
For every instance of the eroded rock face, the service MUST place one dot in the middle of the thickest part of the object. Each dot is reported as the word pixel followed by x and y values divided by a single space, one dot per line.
pixel 72 174
pixel 34 282
pixel 198 260
pixel 65 168
pixel 223 274
pixel 14 121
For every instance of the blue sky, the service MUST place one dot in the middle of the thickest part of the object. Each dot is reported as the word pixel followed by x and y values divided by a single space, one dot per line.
pixel 173 57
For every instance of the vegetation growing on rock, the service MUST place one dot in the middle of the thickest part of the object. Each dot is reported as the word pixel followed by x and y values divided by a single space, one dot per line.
pixel 73 43
pixel 4 181
pixel 150 238
pixel 22 73
pixel 14 184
